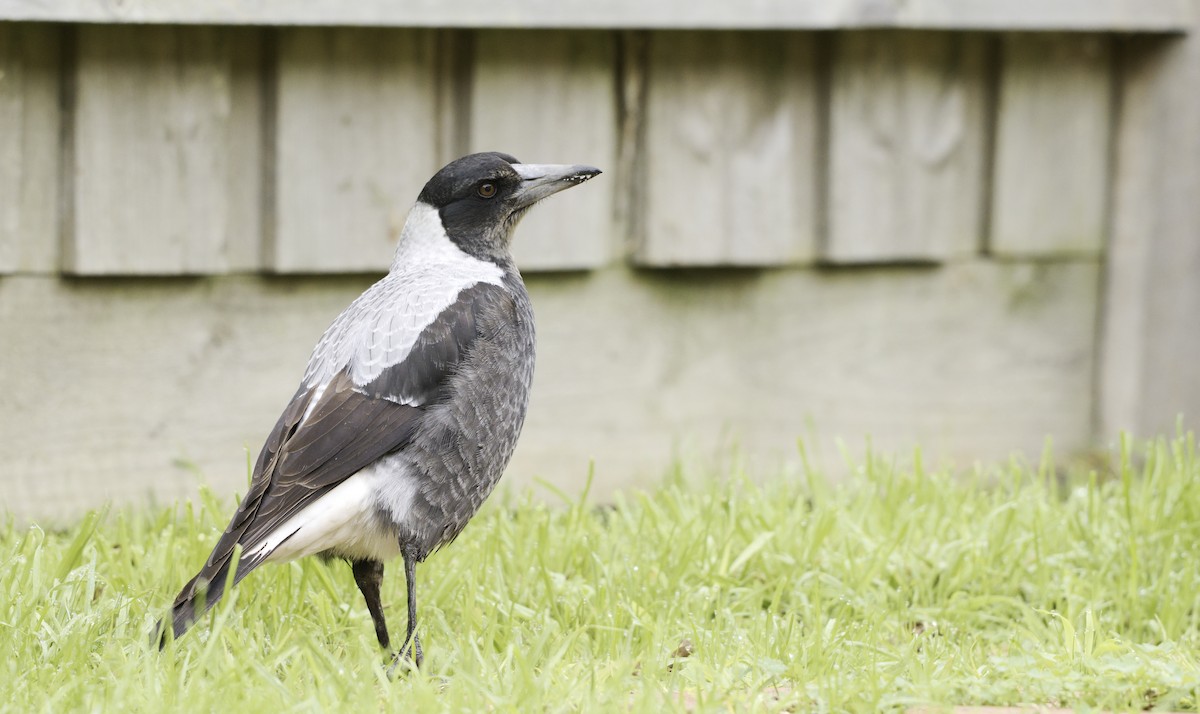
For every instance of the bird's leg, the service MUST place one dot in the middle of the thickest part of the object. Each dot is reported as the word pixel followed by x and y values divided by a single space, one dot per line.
pixel 369 574
pixel 411 650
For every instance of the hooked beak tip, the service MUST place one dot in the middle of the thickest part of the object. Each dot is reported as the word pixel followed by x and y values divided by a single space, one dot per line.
pixel 584 173
pixel 542 180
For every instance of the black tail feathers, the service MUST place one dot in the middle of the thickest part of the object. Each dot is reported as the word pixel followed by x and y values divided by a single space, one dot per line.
pixel 198 597
pixel 193 601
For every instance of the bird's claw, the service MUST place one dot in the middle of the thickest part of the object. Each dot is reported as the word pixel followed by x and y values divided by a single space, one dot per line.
pixel 409 658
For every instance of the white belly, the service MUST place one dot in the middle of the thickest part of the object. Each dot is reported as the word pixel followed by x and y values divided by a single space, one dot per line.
pixel 347 519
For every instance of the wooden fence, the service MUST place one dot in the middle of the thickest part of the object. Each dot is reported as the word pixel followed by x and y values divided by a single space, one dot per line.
pixel 922 226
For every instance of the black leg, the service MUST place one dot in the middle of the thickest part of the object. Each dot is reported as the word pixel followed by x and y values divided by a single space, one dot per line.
pixel 369 574
pixel 412 643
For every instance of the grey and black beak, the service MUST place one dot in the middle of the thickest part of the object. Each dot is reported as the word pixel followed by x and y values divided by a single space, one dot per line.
pixel 542 180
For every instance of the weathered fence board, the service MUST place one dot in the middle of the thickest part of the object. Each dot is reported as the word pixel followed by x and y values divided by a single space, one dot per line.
pixel 1172 343
pixel 246 151
pixel 150 166
pixel 1123 336
pixel 994 356
pixel 1052 145
pixel 633 50
pixel 875 353
pixel 29 147
pixel 730 150
pixel 549 97
pixel 907 141
pixel 1096 15
pixel 1150 341
pixel 357 136
pixel 174 373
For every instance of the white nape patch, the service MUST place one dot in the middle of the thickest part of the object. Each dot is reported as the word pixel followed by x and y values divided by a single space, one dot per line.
pixel 424 239
pixel 346 520
pixel 379 329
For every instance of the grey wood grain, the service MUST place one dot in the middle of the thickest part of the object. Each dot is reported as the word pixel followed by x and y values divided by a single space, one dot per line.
pixel 974 360
pixel 247 155
pixel 907 141
pixel 730 151
pixel 356 137
pixel 550 97
pixel 30 122
pixel 1052 145
pixel 150 169
pixel 1150 374
pixel 1123 340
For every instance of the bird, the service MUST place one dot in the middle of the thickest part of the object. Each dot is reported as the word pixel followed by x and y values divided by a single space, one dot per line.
pixel 411 404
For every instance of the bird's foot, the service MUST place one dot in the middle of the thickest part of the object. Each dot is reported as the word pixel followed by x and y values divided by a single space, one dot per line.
pixel 407 659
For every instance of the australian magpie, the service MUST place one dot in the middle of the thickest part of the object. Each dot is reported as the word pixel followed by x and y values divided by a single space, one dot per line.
pixel 411 404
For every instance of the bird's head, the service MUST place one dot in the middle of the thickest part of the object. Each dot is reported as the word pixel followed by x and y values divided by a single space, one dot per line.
pixel 480 197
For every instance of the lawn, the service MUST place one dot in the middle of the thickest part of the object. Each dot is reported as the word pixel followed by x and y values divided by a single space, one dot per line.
pixel 893 587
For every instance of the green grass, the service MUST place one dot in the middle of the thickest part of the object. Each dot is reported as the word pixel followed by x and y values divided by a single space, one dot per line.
pixel 893 587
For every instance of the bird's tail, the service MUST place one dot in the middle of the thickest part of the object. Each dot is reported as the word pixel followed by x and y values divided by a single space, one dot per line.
pixel 193 601
pixel 206 588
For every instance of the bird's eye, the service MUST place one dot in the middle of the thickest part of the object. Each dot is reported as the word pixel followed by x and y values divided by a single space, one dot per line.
pixel 486 190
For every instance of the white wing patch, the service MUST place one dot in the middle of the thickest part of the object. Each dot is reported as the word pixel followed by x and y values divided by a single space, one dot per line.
pixel 380 328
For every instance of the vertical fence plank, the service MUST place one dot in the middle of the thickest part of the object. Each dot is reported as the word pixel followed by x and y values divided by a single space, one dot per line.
pixel 29 147
pixel 356 137
pixel 549 97
pixel 1171 370
pixel 150 164
pixel 730 153
pixel 454 50
pixel 246 150
pixel 1052 145
pixel 1123 338
pixel 633 52
pixel 1148 374
pixel 12 114
pixel 908 136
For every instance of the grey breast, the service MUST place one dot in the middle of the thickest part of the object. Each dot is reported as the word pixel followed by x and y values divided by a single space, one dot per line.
pixel 465 441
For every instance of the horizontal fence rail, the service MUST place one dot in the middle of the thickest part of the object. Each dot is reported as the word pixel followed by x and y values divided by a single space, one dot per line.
pixel 1086 15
